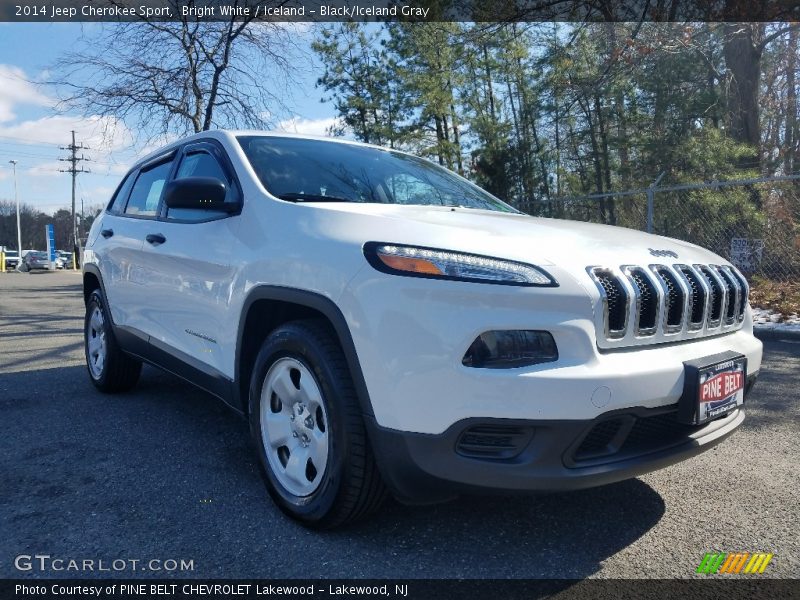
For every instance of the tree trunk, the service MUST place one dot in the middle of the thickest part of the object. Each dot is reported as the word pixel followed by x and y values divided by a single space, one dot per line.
pixel 711 75
pixel 489 87
pixel 454 125
pixel 598 169
pixel 557 127
pixel 362 117
pixel 439 137
pixel 519 177
pixel 742 50
pixel 790 158
pixel 571 137
pixel 601 125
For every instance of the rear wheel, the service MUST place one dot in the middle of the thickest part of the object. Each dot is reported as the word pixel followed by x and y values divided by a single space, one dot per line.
pixel 110 369
pixel 308 428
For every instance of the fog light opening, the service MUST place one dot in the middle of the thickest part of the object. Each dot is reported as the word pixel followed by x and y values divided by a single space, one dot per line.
pixel 510 349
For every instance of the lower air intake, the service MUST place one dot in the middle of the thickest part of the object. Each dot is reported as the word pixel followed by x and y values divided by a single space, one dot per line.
pixel 493 442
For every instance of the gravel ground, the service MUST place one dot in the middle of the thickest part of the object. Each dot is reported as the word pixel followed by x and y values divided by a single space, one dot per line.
pixel 166 472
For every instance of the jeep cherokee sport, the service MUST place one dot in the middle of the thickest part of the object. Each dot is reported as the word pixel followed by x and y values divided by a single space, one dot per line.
pixel 386 325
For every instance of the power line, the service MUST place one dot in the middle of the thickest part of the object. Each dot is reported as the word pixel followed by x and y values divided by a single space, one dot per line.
pixel 27 142
pixel 27 154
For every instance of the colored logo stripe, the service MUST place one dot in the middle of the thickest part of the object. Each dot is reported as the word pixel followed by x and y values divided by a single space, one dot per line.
pixel 758 563
pixel 711 562
pixel 734 562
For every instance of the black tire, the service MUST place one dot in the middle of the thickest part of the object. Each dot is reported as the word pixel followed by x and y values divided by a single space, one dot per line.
pixel 119 372
pixel 351 486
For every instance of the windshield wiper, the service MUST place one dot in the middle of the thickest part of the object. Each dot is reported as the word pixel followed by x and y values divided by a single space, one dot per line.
pixel 299 197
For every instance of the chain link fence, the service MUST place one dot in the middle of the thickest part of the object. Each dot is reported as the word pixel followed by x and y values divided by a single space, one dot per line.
pixel 753 223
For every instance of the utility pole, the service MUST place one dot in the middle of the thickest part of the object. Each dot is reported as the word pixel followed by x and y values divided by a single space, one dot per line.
pixel 74 159
pixel 16 199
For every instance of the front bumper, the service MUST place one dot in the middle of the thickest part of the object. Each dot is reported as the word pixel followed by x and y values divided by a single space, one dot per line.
pixel 505 455
pixel 410 335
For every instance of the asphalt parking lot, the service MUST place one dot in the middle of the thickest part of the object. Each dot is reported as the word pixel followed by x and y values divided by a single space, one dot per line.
pixel 166 472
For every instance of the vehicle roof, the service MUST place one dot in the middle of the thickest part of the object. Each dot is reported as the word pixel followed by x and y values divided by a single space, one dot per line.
pixel 230 135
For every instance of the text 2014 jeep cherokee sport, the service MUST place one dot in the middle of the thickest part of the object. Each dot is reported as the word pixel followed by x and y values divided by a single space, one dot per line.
pixel 387 325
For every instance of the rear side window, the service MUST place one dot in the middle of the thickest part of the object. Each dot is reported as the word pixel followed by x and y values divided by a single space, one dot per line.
pixel 117 204
pixel 146 192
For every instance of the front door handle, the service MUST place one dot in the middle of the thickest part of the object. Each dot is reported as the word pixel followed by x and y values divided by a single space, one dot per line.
pixel 107 233
pixel 155 239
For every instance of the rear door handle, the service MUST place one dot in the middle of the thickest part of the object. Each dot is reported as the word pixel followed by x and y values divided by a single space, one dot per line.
pixel 107 233
pixel 155 239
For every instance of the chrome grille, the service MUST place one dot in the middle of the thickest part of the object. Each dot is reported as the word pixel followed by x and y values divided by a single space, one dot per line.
pixel 698 296
pixel 745 291
pixel 674 298
pixel 679 300
pixel 647 300
pixel 717 295
pixel 615 300
pixel 732 290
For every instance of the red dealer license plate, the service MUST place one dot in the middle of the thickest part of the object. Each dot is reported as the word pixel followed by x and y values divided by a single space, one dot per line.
pixel 720 390
pixel 714 388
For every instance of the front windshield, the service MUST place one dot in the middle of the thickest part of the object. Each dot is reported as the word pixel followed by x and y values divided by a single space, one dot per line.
pixel 305 170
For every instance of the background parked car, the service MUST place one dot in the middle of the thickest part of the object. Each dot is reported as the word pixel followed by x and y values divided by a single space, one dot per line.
pixel 34 260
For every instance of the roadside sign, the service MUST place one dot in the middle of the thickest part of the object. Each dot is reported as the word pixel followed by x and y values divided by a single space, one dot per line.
pixel 50 235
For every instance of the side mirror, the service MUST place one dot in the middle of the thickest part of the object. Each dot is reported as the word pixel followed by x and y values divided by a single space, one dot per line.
pixel 199 193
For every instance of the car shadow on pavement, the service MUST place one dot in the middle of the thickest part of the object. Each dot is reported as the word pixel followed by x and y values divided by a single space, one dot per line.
pixel 554 536
pixel 168 471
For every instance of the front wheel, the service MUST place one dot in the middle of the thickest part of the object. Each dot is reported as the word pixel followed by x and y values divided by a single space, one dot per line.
pixel 110 369
pixel 308 429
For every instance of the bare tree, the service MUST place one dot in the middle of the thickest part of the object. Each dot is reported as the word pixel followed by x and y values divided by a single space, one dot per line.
pixel 185 76
pixel 744 45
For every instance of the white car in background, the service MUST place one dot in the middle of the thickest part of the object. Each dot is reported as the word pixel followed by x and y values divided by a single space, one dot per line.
pixel 63 259
pixel 384 324
pixel 12 259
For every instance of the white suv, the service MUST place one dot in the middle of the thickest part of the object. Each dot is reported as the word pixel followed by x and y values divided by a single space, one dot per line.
pixel 386 325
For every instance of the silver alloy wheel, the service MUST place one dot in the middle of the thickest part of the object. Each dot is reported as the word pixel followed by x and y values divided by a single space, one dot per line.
pixel 96 343
pixel 294 426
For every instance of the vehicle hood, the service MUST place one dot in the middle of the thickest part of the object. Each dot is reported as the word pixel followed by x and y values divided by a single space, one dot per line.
pixel 543 241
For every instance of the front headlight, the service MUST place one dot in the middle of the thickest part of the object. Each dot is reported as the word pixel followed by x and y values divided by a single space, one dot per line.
pixel 443 264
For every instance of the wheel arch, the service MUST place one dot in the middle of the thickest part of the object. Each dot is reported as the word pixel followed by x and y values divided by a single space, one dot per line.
pixel 267 307
pixel 93 280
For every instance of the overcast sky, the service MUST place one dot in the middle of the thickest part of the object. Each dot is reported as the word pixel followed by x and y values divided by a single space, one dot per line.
pixel 31 130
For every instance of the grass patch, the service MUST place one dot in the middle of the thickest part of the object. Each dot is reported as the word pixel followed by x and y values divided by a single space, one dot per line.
pixel 780 296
